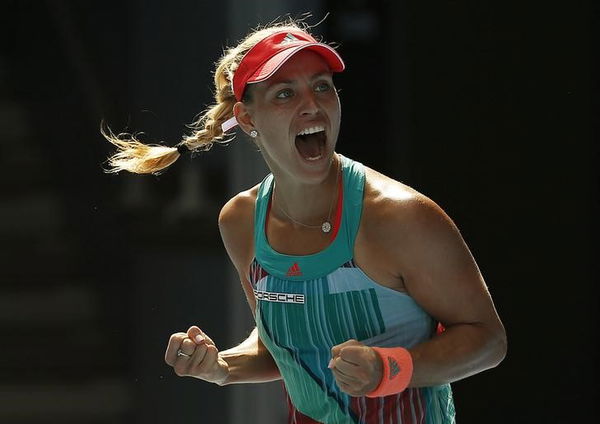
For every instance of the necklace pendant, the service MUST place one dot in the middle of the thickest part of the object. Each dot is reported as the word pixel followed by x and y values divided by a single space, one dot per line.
pixel 326 227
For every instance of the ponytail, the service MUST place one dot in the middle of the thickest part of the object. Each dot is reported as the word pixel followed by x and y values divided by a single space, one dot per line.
pixel 139 158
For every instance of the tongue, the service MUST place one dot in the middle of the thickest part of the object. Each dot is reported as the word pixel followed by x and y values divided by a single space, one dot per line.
pixel 310 146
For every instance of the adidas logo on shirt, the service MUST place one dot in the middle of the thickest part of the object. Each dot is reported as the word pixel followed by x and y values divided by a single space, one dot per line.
pixel 294 271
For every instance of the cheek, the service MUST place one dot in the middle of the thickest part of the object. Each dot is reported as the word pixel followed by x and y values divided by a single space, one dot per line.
pixel 271 116
pixel 274 125
pixel 336 112
pixel 334 106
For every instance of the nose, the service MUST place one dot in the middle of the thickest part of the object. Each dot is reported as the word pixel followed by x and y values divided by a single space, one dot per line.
pixel 309 104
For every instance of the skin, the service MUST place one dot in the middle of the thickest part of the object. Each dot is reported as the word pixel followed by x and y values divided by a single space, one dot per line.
pixel 405 242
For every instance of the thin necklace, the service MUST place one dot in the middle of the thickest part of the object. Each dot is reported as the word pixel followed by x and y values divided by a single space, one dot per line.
pixel 326 225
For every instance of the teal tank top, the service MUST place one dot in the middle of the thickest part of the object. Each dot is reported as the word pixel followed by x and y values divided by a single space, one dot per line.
pixel 307 304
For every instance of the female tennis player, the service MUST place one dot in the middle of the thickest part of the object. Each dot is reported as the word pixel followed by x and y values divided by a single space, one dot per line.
pixel 367 301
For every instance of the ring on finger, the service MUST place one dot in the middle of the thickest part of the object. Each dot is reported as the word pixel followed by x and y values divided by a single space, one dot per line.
pixel 180 353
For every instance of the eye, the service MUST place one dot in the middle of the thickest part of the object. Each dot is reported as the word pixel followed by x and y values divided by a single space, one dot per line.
pixel 284 94
pixel 322 86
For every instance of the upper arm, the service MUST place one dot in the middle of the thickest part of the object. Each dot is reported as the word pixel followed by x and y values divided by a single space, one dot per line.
pixel 236 222
pixel 438 269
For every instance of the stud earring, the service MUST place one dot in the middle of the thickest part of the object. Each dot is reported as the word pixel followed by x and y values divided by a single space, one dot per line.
pixel 253 133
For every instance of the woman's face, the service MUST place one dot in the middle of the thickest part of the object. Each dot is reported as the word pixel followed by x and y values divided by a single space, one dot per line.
pixel 297 115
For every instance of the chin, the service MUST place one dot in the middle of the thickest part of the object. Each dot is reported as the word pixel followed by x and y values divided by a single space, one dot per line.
pixel 315 171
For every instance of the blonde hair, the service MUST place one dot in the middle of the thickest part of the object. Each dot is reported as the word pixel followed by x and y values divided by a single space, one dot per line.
pixel 134 156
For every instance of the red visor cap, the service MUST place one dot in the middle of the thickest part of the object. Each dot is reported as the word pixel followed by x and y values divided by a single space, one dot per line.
pixel 267 56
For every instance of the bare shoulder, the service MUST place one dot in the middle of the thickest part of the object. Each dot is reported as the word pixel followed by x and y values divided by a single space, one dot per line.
pixel 239 208
pixel 416 239
pixel 390 203
pixel 236 222
pixel 395 225
pixel 406 226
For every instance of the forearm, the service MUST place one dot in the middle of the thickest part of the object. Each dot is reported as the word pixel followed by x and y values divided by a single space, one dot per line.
pixel 460 351
pixel 250 362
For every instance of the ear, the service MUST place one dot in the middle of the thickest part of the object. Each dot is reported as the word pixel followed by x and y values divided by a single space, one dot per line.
pixel 243 114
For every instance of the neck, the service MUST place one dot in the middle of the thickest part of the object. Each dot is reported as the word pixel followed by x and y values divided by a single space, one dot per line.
pixel 308 204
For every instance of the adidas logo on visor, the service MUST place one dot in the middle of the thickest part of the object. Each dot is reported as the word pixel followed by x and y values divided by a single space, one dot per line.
pixel 289 38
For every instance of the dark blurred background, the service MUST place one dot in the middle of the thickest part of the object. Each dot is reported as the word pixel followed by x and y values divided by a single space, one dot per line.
pixel 485 107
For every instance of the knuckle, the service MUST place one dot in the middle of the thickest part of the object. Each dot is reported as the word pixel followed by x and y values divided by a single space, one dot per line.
pixel 202 353
pixel 201 357
pixel 210 355
pixel 177 336
pixel 188 343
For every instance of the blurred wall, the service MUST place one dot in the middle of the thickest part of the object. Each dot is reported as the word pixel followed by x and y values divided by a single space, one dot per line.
pixel 484 108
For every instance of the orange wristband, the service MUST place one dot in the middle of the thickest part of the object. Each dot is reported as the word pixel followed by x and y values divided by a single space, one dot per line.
pixel 397 371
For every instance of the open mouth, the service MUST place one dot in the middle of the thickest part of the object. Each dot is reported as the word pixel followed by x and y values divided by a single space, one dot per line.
pixel 311 143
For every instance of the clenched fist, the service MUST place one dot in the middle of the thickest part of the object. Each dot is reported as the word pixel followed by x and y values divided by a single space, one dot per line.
pixel 356 367
pixel 194 354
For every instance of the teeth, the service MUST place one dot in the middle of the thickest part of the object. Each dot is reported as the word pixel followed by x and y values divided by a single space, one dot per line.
pixel 315 158
pixel 311 130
